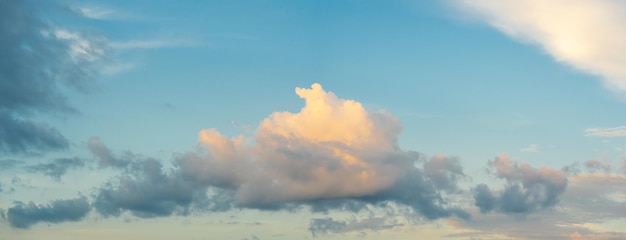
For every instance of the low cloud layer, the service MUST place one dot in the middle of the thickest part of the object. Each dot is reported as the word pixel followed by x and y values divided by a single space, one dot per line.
pixel 320 227
pixel 588 35
pixel 527 189
pixel 24 215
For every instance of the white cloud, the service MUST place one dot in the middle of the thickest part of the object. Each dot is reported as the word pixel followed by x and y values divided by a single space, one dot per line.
pixel 532 148
pixel 588 35
pixel 105 13
pixel 81 47
pixel 606 132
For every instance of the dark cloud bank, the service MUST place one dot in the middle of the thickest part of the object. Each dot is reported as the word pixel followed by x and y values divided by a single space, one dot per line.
pixel 37 64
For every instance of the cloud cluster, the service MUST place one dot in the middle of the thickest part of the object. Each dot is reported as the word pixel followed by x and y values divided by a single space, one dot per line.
pixel 24 215
pixel 37 60
pixel 587 210
pixel 333 154
pixel 588 35
pixel 146 191
pixel 320 227
pixel 527 189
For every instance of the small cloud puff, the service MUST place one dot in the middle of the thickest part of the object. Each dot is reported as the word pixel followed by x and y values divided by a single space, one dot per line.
pixel 527 189
pixel 532 148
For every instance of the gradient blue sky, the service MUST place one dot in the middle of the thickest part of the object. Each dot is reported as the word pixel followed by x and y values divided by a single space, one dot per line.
pixel 538 85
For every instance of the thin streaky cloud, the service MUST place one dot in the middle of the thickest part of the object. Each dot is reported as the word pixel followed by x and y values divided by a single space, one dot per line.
pixel 105 13
pixel 98 13
pixel 606 132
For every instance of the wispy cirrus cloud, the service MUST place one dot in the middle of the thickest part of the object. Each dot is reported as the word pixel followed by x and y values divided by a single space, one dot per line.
pixel 588 35
pixel 606 132
pixel 103 13
pixel 99 13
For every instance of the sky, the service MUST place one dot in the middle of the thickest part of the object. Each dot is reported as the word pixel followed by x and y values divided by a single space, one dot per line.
pixel 329 119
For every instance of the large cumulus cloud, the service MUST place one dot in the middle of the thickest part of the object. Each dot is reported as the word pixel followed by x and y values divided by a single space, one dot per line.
pixel 333 154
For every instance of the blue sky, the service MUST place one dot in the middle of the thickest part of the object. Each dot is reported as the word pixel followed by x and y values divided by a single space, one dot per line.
pixel 437 119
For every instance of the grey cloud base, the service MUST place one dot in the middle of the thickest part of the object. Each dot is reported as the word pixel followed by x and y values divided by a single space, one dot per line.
pixel 147 189
pixel 528 189
pixel 24 215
